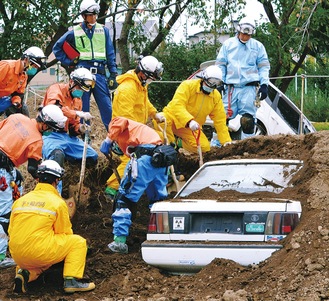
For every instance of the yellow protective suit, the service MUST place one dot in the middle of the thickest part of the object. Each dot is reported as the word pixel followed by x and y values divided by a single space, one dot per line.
pixel 130 101
pixel 40 234
pixel 189 102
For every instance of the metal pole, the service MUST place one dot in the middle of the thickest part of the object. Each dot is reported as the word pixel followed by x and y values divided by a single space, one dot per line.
pixel 303 76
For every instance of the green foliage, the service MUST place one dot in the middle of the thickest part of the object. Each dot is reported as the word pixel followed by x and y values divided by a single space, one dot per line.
pixel 27 24
pixel 315 100
pixel 179 63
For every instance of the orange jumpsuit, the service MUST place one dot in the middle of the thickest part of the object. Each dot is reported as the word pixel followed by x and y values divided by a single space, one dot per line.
pixel 11 80
pixel 41 234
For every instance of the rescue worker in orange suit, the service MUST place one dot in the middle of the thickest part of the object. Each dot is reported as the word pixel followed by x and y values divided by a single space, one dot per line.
pixel 97 54
pixel 59 146
pixel 13 79
pixel 41 234
pixel 21 141
pixel 139 143
pixel 193 101
pixel 131 101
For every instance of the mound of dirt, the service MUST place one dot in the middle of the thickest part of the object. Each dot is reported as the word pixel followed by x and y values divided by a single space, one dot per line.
pixel 299 271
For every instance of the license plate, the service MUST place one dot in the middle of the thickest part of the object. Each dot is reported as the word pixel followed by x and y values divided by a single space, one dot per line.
pixel 255 228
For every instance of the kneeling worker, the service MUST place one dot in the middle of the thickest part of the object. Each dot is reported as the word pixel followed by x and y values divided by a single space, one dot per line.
pixel 41 234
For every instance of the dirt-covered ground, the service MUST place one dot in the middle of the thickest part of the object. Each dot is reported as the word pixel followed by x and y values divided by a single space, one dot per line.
pixel 299 271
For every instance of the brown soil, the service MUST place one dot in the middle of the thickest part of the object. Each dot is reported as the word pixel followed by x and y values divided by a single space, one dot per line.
pixel 299 271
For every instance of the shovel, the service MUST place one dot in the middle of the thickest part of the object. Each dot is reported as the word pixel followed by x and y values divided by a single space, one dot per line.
pixel 197 139
pixel 78 192
pixel 178 184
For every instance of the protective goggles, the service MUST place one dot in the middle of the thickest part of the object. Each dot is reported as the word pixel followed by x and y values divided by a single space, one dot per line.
pixel 247 29
pixel 212 82
pixel 116 149
pixel 85 84
pixel 92 10
pixel 38 61
pixel 156 75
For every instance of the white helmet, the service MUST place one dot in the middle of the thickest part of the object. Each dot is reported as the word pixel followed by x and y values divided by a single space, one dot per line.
pixel 89 7
pixel 50 167
pixel 35 56
pixel 247 26
pixel 212 76
pixel 53 116
pixel 151 67
pixel 83 78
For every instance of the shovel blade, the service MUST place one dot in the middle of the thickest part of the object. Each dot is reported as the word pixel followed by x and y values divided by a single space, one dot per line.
pixel 71 206
pixel 82 199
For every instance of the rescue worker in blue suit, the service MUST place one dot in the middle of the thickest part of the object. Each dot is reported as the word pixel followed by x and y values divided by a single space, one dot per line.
pixel 65 144
pixel 97 53
pixel 138 141
pixel 245 67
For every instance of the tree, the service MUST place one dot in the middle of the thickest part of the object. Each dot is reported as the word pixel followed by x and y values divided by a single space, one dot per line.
pixel 296 29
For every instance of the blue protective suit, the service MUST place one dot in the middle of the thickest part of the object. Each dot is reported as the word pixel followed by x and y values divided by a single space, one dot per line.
pixel 242 64
pixel 100 91
pixel 152 180
pixel 71 146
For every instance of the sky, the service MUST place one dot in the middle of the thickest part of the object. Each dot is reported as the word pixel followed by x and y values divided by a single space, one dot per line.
pixel 253 10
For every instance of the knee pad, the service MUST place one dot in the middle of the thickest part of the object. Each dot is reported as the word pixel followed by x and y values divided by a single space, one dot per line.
pixel 123 202
pixel 247 123
pixel 58 156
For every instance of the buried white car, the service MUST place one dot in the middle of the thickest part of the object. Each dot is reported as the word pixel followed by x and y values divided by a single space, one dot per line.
pixel 277 114
pixel 217 215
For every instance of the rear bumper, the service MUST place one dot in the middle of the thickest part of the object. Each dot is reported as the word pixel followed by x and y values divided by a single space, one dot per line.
pixel 189 258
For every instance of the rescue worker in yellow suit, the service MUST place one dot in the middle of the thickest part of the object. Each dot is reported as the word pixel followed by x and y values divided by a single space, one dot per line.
pixel 193 101
pixel 131 101
pixel 41 234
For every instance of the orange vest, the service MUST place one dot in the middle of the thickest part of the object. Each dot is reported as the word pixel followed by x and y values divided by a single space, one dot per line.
pixel 10 79
pixel 20 139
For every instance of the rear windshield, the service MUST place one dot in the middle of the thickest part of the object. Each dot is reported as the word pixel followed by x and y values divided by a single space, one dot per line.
pixel 244 178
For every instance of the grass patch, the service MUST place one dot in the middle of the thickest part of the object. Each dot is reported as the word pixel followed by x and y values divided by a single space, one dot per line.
pixel 321 126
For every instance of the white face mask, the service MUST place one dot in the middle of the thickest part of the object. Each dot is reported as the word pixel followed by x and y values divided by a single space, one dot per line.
pixel 207 89
pixel 148 81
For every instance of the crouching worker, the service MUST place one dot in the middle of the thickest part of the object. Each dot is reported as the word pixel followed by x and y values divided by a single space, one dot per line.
pixel 41 234
pixel 147 170
pixel 21 142
pixel 65 144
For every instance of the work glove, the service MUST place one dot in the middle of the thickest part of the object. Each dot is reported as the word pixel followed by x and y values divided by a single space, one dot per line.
pixel 159 117
pixel 112 82
pixel 105 146
pixel 13 109
pixel 262 92
pixel 193 125
pixel 83 128
pixel 85 115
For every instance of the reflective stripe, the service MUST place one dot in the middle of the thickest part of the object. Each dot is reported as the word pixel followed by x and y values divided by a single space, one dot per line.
pixel 34 209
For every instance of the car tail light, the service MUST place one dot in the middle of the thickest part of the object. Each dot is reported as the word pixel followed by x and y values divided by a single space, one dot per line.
pixel 159 223
pixel 281 223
